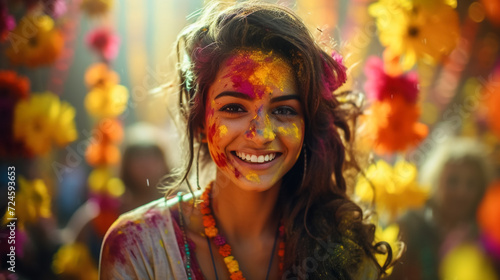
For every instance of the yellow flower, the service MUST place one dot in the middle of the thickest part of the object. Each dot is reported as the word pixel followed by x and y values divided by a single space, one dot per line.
pixel 417 29
pixel 102 181
pixel 43 120
pixel 232 264
pixel 107 101
pixel 32 202
pixel 73 261
pixel 35 42
pixel 396 188
pixel 467 262
pixel 390 235
pixel 96 7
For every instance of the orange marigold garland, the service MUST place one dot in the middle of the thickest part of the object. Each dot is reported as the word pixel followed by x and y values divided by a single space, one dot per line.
pixel 220 241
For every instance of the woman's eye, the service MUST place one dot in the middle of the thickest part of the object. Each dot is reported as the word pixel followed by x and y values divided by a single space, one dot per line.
pixel 232 108
pixel 285 110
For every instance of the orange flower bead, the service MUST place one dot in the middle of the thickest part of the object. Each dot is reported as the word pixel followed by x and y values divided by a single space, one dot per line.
pixel 208 221
pixel 225 250
pixel 237 276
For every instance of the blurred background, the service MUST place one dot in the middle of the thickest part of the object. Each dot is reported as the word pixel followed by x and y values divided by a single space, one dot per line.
pixel 87 97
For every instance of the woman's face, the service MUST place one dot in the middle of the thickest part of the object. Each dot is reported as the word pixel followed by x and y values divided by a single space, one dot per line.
pixel 460 187
pixel 254 120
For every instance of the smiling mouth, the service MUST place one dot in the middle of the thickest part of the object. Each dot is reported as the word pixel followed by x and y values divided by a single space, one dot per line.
pixel 256 158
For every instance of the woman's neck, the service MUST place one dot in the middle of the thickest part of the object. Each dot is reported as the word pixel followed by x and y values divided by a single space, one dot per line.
pixel 243 214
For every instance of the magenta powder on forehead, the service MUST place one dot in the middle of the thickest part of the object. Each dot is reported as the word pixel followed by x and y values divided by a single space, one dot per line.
pixel 255 73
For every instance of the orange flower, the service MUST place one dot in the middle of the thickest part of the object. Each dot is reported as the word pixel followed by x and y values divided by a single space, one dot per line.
pixel 492 99
pixel 392 123
pixel 237 276
pixel 489 211
pixel 111 130
pixel 102 153
pixel 281 249
pixel 211 231
pixel 40 46
pixel 225 250
pixel 208 221
pixel 12 89
pixel 99 74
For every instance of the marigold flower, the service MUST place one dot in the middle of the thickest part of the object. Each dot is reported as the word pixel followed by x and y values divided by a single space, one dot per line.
pixel 488 213
pixel 491 93
pixel 102 153
pixel 74 261
pixel 33 202
pixel 232 264
pixel 225 250
pixel 392 125
pixel 41 46
pixel 208 221
pixel 396 188
pixel 238 275
pixel 211 231
pixel 100 75
pixel 108 101
pixel 44 120
pixel 417 29
pixel 12 89
pixel 390 235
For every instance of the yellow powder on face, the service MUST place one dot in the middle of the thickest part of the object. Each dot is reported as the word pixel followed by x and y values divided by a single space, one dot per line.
pixel 266 71
pixel 161 244
pixel 294 130
pixel 268 132
pixel 271 70
pixel 222 130
pixel 252 177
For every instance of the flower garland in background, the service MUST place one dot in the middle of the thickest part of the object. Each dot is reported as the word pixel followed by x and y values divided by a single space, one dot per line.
pixel 33 123
pixel 105 102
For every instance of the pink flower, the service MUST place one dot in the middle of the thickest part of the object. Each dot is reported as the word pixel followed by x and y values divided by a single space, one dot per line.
pixel 54 8
pixel 334 76
pixel 379 85
pixel 104 42
pixel 219 240
pixel 7 22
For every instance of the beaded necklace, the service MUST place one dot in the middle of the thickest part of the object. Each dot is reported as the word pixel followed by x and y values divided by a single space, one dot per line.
pixel 219 240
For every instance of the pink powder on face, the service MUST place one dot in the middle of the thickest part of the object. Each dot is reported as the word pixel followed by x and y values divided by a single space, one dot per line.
pixel 256 73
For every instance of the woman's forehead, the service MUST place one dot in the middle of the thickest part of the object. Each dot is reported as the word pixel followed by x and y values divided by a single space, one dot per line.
pixel 256 72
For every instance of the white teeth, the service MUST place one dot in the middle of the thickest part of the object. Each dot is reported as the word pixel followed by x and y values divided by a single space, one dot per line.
pixel 260 159
pixel 255 158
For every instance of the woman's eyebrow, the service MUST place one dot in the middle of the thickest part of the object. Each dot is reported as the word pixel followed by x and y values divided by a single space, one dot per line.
pixel 233 94
pixel 285 97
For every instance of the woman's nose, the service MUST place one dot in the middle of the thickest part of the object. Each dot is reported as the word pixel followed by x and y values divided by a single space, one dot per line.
pixel 261 129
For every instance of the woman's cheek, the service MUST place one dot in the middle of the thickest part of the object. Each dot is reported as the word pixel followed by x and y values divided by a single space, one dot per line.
pixel 214 134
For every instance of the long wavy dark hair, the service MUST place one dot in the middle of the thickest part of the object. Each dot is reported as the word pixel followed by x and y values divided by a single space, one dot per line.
pixel 320 219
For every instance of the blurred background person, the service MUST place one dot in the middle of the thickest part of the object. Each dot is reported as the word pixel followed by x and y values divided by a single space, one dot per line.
pixel 459 172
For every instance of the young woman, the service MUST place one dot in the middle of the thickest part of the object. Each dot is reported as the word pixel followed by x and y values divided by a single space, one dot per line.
pixel 257 97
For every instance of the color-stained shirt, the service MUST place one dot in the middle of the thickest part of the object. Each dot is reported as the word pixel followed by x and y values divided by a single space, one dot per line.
pixel 144 244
